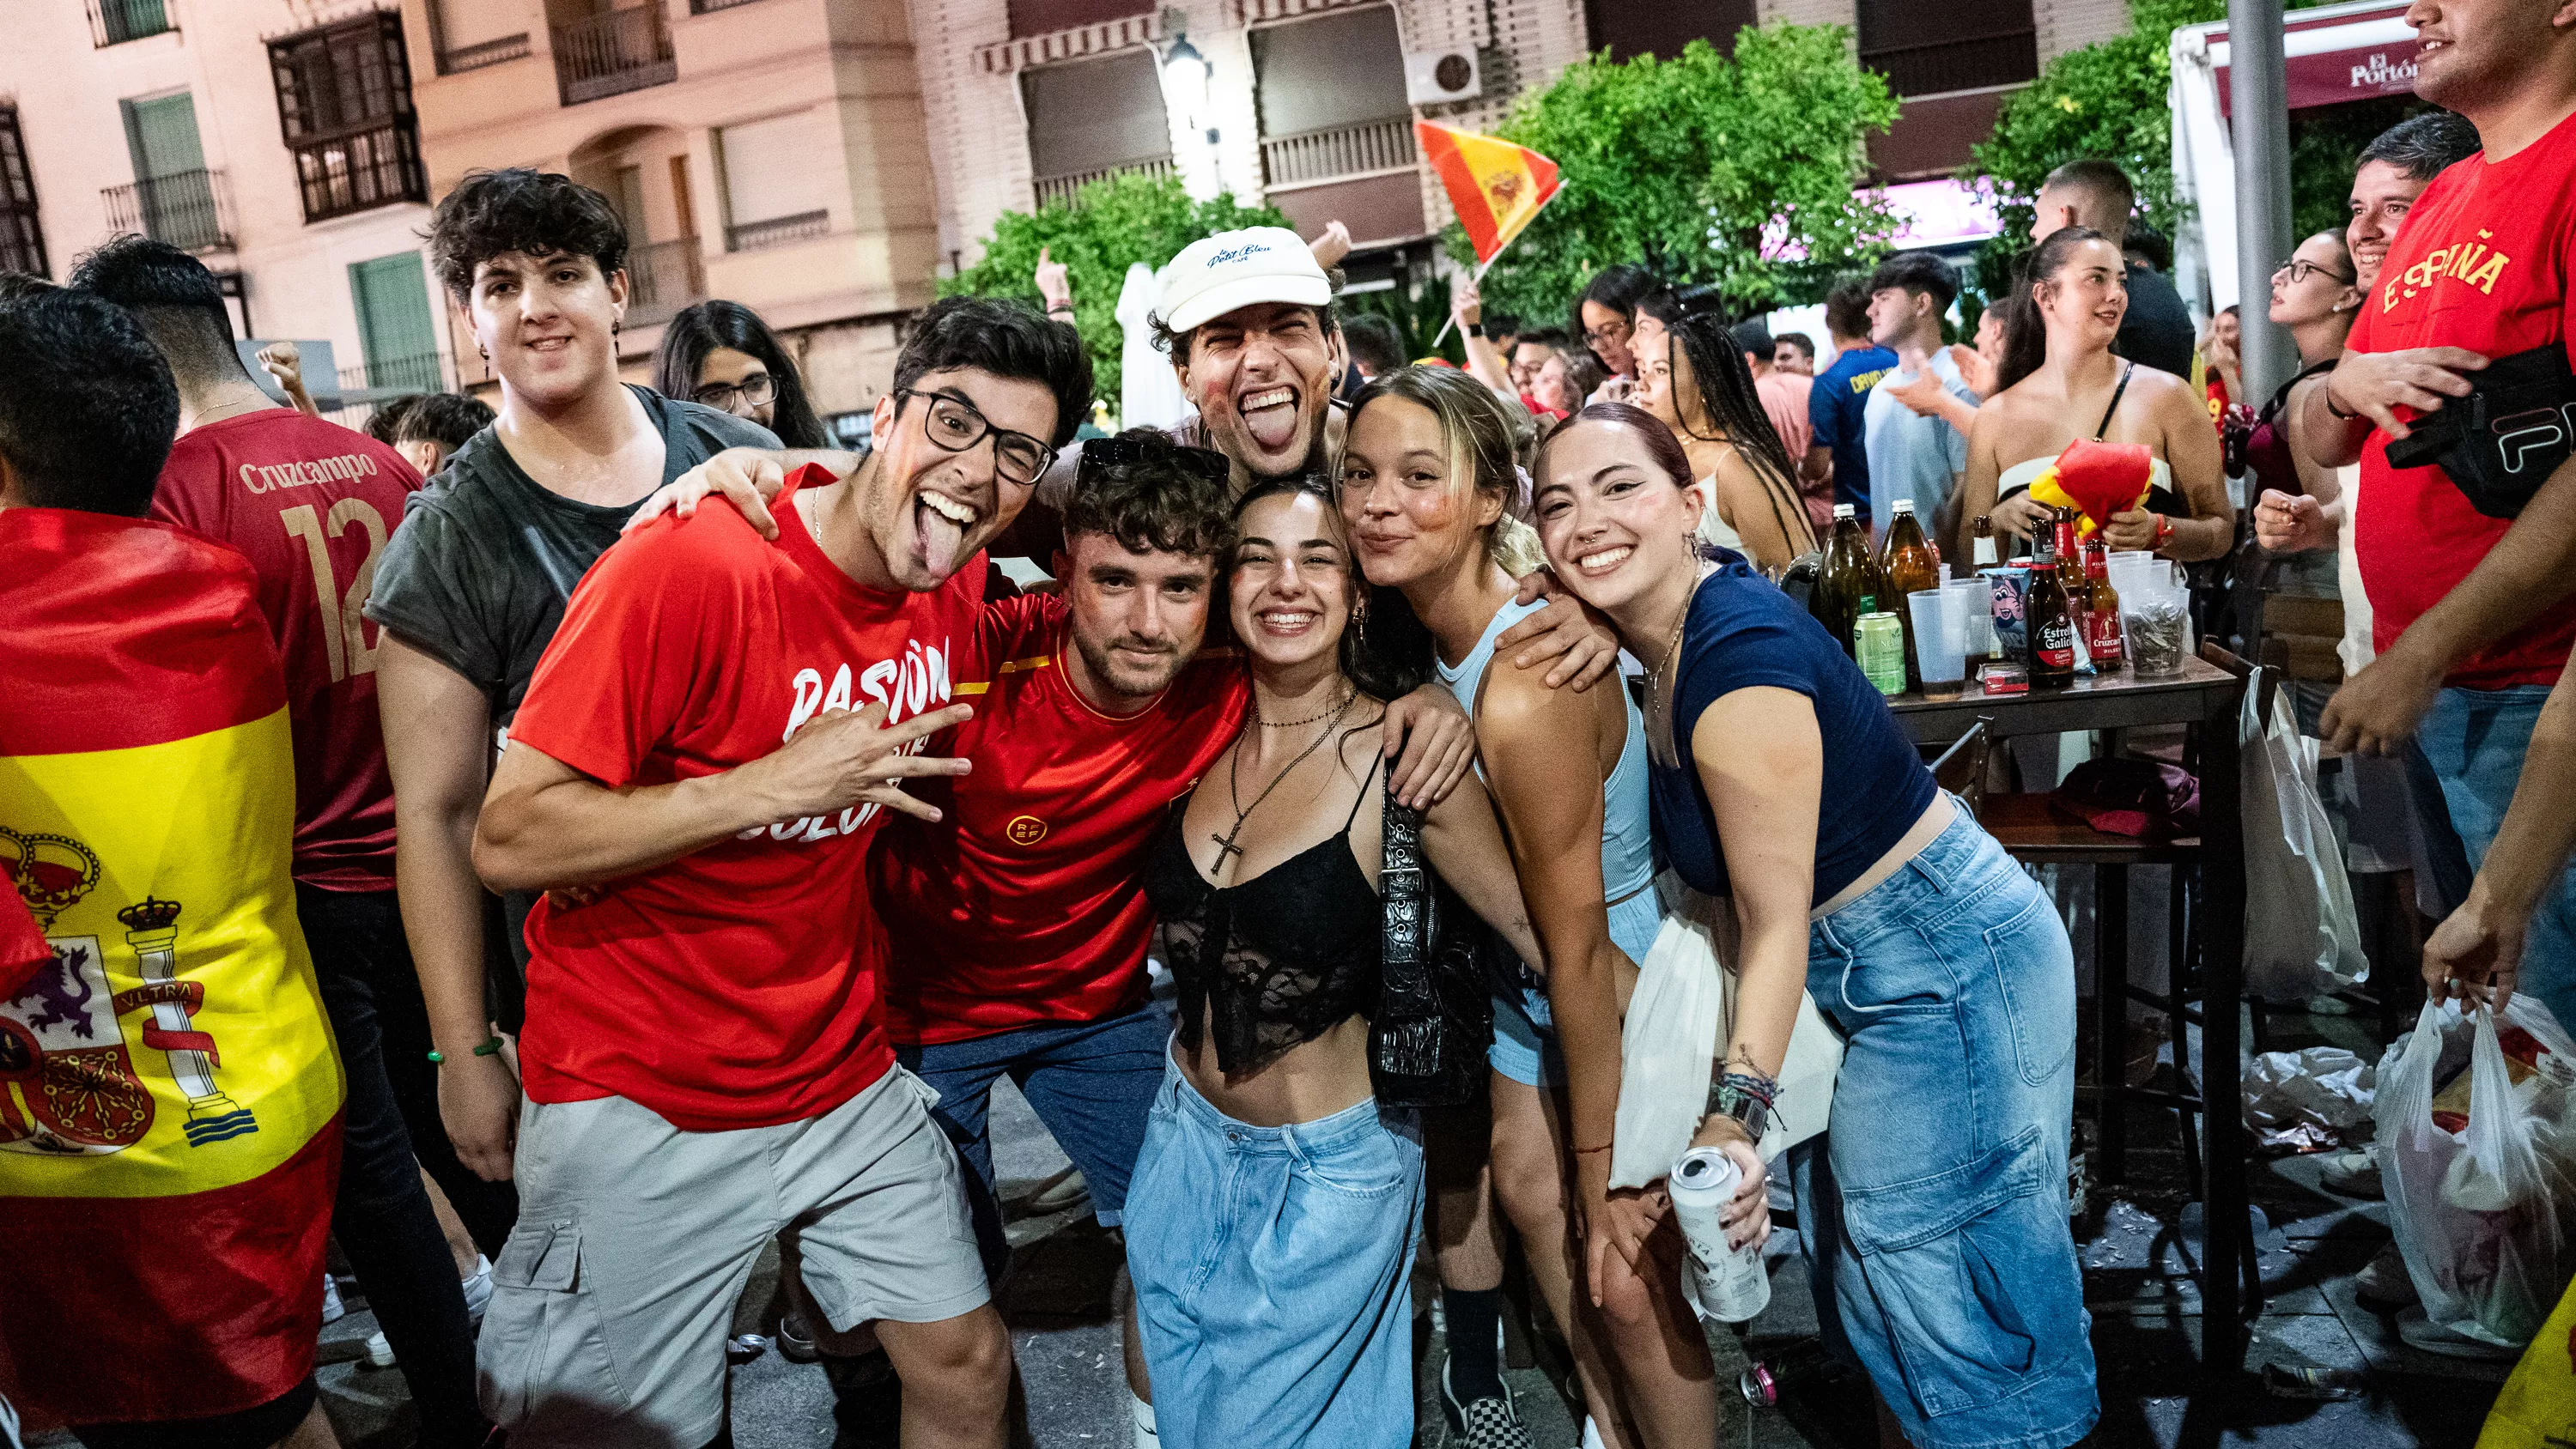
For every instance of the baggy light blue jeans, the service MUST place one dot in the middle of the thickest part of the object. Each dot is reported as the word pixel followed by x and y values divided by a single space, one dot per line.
pixel 1938 1204
pixel 2475 740
pixel 1271 1268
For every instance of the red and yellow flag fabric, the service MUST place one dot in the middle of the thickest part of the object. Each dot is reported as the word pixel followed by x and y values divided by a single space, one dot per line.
pixel 169 1089
pixel 1495 186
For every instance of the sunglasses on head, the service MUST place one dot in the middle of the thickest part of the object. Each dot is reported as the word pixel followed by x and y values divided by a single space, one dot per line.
pixel 1106 453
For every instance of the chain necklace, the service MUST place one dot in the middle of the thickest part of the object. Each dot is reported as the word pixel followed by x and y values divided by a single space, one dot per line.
pixel 1225 845
pixel 1660 683
pixel 1290 724
pixel 199 420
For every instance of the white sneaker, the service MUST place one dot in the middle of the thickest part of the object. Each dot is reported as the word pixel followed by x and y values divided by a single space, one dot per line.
pixel 380 1352
pixel 332 1309
pixel 2384 1282
pixel 478 1290
pixel 2354 1174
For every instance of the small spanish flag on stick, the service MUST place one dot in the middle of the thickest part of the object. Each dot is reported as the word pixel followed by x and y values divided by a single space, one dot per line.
pixel 1495 186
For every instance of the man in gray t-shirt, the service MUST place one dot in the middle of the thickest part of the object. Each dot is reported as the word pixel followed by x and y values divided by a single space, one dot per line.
pixel 479 572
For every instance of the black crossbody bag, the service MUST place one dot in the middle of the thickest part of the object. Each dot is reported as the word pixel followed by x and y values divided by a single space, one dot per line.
pixel 2502 441
pixel 1434 1018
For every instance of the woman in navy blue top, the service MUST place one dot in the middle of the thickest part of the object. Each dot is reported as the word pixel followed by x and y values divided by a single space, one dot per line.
pixel 1782 783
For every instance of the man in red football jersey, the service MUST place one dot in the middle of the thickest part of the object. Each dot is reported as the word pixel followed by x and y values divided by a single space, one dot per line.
pixel 704 1059
pixel 1017 925
pixel 310 503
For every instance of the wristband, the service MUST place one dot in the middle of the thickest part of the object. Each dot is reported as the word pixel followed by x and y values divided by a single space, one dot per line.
pixel 2338 412
pixel 1053 308
pixel 1475 329
pixel 490 1046
pixel 2164 532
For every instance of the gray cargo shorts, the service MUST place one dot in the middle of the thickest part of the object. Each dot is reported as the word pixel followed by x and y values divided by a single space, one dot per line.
pixel 613 1296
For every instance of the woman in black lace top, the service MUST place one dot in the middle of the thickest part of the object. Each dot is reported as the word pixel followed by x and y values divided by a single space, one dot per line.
pixel 1272 1217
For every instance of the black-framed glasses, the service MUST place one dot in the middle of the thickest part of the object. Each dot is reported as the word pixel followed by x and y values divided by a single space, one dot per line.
pixel 758 390
pixel 2300 269
pixel 953 423
pixel 1613 332
pixel 1103 454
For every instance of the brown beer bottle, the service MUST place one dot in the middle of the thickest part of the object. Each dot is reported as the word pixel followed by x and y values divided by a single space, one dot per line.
pixel 2051 624
pixel 1847 575
pixel 1910 567
pixel 2102 637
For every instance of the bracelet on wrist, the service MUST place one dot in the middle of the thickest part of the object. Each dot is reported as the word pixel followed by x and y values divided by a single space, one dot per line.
pixel 488 1047
pixel 1475 329
pixel 2338 412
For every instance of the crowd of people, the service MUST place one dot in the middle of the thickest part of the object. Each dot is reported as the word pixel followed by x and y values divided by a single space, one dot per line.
pixel 560 849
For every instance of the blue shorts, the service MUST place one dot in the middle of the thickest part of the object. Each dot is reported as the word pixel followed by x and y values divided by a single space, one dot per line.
pixel 1091 1082
pixel 1272 1267
pixel 2474 740
pixel 1941 1242
pixel 1524 1046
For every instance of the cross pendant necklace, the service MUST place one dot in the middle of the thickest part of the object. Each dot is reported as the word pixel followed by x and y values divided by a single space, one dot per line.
pixel 1225 845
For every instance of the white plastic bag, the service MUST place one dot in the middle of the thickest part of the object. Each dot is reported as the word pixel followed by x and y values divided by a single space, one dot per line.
pixel 2302 936
pixel 1679 1020
pixel 1667 1049
pixel 2482 1216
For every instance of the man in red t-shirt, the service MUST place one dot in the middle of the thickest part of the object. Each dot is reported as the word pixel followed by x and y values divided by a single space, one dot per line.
pixel 1017 922
pixel 310 504
pixel 705 1060
pixel 2469 612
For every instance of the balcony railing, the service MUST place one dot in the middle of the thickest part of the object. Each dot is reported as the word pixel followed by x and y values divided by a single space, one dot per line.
pixel 357 172
pixel 611 54
pixel 1059 190
pixel 483 53
pixel 1978 62
pixel 189 210
pixel 425 372
pixel 1338 152
pixel 751 236
pixel 662 278
pixel 114 22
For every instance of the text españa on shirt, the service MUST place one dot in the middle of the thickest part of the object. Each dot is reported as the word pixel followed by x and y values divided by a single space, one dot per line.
pixel 2469 261
pixel 906 686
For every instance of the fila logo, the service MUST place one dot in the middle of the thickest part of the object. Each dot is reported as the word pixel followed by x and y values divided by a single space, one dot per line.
pixel 2539 433
pixel 1024 830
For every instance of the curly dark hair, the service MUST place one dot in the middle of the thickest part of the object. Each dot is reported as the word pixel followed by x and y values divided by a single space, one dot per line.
pixel 701 329
pixel 1007 339
pixel 1156 504
pixel 445 418
pixel 519 209
pixel 90 427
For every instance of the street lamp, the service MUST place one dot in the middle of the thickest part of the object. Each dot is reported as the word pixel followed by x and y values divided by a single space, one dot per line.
pixel 1185 75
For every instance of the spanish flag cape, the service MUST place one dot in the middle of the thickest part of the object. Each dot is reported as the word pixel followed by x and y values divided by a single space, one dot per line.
pixel 169 1090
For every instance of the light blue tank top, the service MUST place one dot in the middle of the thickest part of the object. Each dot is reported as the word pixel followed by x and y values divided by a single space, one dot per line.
pixel 1627 813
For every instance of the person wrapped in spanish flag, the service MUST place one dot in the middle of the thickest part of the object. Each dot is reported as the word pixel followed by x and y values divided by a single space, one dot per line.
pixel 169 1090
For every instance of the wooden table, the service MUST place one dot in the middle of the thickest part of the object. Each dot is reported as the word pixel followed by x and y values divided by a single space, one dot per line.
pixel 2207 695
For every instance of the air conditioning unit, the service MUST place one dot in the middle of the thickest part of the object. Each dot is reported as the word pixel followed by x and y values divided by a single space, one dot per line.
pixel 1437 77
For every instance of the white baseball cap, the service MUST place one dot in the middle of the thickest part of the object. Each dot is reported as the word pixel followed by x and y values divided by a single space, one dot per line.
pixel 1216 274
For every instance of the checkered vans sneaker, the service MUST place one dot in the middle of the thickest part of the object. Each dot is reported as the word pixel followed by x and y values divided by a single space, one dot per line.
pixel 1489 1423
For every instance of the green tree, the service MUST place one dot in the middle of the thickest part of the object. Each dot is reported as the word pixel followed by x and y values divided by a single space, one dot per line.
pixel 1110 223
pixel 1741 173
pixel 2111 101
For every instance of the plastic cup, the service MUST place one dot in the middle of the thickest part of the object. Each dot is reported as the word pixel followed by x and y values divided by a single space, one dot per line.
pixel 1977 611
pixel 1940 640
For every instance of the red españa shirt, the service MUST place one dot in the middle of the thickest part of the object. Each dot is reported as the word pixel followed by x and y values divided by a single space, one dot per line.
pixel 310 504
pixel 2482 263
pixel 1023 904
pixel 733 987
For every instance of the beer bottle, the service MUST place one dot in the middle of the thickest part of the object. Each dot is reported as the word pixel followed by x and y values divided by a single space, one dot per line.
pixel 2069 548
pixel 1985 555
pixel 1847 575
pixel 2051 624
pixel 2102 638
pixel 1910 567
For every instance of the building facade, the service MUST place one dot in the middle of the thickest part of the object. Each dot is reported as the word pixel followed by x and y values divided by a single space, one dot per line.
pixel 273 138
pixel 1308 104
pixel 769 152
